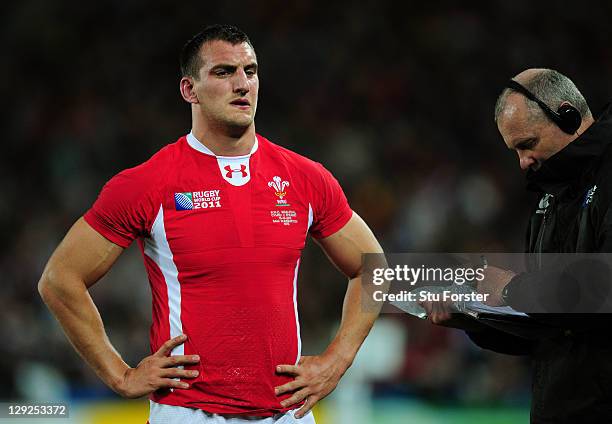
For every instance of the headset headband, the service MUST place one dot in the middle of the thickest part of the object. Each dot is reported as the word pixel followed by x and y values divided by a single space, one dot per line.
pixel 567 117
pixel 518 87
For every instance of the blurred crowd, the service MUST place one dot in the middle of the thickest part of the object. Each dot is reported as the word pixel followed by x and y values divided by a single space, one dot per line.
pixel 395 99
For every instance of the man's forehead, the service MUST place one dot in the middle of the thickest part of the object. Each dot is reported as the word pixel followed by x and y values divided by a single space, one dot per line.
pixel 515 107
pixel 515 114
pixel 218 51
pixel 514 122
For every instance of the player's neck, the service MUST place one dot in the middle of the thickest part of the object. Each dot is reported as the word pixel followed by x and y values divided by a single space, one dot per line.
pixel 226 143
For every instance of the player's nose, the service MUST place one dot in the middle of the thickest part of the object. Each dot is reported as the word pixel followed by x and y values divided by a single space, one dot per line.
pixel 240 82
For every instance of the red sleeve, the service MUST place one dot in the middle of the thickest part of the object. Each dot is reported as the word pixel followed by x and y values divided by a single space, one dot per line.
pixel 331 210
pixel 126 207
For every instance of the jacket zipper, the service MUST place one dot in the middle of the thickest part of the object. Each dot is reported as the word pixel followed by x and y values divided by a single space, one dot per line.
pixel 540 241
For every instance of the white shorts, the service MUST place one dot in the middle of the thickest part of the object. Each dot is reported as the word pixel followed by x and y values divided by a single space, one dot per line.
pixel 169 414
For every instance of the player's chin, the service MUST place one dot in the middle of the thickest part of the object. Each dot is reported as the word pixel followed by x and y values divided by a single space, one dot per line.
pixel 238 126
pixel 240 119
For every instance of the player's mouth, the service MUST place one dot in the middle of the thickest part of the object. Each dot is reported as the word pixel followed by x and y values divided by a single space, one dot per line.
pixel 243 104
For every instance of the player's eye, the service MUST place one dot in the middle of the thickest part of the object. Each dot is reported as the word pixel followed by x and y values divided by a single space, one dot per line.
pixel 221 72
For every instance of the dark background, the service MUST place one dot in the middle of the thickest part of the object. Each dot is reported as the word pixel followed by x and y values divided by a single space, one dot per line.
pixel 396 99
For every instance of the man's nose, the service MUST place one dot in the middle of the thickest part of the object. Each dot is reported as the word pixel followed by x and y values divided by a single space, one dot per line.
pixel 241 82
pixel 525 161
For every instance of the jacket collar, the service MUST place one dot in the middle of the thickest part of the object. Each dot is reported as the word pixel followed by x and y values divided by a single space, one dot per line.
pixel 568 166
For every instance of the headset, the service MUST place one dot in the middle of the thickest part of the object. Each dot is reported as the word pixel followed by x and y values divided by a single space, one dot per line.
pixel 567 117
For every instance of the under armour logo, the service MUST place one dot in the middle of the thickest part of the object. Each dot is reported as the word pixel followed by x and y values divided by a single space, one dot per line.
pixel 230 171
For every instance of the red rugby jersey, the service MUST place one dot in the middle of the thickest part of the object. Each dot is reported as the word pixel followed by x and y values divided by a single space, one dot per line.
pixel 221 239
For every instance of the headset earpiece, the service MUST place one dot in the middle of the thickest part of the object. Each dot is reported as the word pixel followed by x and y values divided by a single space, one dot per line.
pixel 570 118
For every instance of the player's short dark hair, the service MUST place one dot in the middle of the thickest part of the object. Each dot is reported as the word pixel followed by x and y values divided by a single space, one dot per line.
pixel 191 61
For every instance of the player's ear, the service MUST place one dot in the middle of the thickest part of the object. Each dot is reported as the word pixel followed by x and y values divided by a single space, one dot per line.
pixel 187 91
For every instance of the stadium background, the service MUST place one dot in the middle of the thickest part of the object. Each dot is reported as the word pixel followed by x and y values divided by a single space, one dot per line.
pixel 395 99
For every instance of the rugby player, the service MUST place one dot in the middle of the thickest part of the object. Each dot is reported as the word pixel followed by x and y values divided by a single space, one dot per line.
pixel 221 217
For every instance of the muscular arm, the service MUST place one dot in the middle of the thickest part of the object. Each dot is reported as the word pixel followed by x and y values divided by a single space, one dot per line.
pixel 345 249
pixel 317 376
pixel 81 259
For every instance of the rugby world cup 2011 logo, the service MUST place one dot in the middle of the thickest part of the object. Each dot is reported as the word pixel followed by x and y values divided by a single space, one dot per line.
pixel 201 199
pixel 183 201
pixel 279 186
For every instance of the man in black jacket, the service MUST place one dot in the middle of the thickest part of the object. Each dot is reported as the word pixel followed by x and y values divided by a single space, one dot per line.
pixel 568 157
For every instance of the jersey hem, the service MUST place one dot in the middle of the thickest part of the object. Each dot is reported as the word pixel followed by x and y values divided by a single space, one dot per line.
pixel 229 411
pixel 336 226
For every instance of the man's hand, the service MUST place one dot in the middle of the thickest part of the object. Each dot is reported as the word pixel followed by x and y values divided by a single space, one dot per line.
pixel 158 371
pixel 438 312
pixel 494 282
pixel 315 378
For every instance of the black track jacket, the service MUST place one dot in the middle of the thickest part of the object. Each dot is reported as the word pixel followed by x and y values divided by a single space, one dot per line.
pixel 572 366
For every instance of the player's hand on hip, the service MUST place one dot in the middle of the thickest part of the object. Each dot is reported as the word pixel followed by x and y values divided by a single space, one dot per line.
pixel 158 371
pixel 315 378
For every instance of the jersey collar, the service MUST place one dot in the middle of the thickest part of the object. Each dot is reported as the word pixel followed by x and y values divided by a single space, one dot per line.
pixel 197 145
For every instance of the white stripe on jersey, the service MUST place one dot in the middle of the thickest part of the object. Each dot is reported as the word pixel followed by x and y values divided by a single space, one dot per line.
pixel 295 308
pixel 295 305
pixel 310 218
pixel 157 248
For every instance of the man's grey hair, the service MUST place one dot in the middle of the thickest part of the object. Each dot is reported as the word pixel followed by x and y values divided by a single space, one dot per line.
pixel 553 88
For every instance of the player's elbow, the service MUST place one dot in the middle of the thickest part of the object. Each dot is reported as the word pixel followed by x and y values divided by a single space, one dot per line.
pixel 50 285
pixel 45 286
